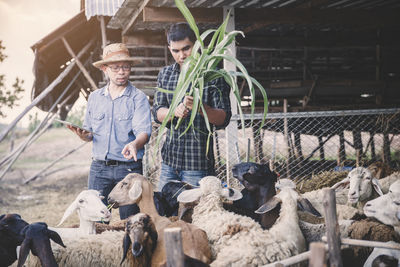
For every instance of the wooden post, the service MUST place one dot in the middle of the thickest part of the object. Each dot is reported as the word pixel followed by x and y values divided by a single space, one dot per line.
pixel 342 149
pixel 332 228
pixel 321 148
pixel 373 153
pixel 258 143
pixel 297 145
pixel 318 255
pixel 231 131
pixel 248 150
pixel 358 146
pixel 173 247
pixel 103 31
pixel 286 134
pixel 45 92
pixel 386 148
pixel 79 63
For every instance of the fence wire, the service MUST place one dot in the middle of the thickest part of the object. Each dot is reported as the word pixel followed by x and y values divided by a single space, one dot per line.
pixel 303 144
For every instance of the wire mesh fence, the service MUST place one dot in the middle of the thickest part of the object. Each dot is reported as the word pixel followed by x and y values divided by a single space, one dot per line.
pixel 303 144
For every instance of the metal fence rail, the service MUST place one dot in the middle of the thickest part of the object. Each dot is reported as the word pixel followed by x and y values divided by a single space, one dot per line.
pixel 305 143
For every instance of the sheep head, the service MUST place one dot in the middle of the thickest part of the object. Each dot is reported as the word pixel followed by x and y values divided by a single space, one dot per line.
pixel 386 208
pixel 361 183
pixel 37 239
pixel 140 232
pixel 89 206
pixel 252 175
pixel 10 228
pixel 127 191
pixel 209 185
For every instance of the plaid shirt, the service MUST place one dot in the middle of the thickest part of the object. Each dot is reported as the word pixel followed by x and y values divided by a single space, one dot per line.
pixel 189 151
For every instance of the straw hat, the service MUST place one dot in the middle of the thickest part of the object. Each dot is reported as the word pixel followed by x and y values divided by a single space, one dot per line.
pixel 115 53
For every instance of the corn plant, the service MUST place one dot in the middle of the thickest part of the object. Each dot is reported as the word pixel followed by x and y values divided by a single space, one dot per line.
pixel 201 67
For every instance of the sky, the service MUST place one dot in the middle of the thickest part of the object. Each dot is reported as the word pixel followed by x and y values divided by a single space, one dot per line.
pixel 22 24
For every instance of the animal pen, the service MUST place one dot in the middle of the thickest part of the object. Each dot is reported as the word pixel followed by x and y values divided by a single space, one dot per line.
pixel 302 144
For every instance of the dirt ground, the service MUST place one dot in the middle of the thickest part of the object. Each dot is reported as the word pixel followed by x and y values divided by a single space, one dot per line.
pixel 46 198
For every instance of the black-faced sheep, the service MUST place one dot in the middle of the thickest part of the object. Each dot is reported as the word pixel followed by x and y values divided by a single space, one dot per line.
pixel 259 182
pixel 135 188
pixel 10 237
pixel 37 239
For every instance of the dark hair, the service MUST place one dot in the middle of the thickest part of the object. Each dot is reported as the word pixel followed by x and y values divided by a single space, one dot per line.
pixel 180 31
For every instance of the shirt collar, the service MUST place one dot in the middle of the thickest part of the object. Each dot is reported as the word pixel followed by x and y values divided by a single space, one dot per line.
pixel 176 67
pixel 127 91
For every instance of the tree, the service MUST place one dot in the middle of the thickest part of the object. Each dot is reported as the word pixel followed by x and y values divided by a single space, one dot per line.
pixel 8 97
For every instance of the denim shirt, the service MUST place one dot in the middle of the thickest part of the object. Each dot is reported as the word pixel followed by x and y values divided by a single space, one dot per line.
pixel 117 122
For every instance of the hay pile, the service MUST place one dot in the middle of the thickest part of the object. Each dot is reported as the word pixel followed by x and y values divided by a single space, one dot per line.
pixel 321 180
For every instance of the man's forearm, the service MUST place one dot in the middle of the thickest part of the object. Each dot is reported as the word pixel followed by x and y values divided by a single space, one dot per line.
pixel 141 140
pixel 162 113
pixel 215 116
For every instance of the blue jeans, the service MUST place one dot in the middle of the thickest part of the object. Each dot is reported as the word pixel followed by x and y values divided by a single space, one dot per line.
pixel 191 177
pixel 103 178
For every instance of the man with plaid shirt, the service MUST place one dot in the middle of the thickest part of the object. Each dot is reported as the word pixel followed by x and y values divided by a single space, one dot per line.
pixel 184 158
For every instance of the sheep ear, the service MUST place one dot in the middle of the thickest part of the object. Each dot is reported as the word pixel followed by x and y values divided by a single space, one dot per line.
pixel 190 195
pixel 269 205
pixel 126 244
pixel 53 235
pixel 305 205
pixel 231 194
pixel 377 186
pixel 342 184
pixel 69 211
pixel 24 252
pixel 136 190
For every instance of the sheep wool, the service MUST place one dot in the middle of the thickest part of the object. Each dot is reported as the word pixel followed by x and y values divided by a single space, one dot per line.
pixel 90 251
pixel 240 241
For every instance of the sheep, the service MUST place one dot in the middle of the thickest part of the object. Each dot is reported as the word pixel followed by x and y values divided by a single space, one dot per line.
pixel 386 208
pixel 141 236
pixel 90 209
pixel 132 247
pixel 135 188
pixel 10 237
pixel 387 181
pixel 388 257
pixel 238 240
pixel 258 181
pixel 37 239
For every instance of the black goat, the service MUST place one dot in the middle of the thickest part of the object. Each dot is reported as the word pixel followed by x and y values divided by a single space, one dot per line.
pixel 37 239
pixel 259 182
pixel 170 192
pixel 10 237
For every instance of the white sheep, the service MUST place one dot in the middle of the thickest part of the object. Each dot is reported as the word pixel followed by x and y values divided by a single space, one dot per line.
pixel 90 209
pixel 394 253
pixel 386 208
pixel 238 240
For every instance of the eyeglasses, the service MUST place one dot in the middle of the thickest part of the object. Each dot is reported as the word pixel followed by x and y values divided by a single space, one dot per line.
pixel 116 68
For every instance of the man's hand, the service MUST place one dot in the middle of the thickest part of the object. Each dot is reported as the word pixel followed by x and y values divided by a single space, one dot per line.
pixel 183 109
pixel 130 151
pixel 84 135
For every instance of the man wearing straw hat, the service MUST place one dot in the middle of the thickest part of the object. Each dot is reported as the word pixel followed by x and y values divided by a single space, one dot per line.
pixel 118 121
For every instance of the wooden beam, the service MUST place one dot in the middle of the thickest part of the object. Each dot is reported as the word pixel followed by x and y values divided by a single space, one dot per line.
pixel 321 16
pixel 145 38
pixel 169 14
pixel 79 63
pixel 134 16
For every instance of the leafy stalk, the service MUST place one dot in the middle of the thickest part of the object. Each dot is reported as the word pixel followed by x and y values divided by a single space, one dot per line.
pixel 200 68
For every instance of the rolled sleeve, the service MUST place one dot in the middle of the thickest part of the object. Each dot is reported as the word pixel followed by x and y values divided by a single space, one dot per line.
pixel 220 99
pixel 160 99
pixel 141 120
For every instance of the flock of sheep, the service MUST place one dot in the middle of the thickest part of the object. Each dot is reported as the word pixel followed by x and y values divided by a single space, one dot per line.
pixel 220 226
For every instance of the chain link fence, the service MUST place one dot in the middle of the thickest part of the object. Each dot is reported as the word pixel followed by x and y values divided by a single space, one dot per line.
pixel 302 144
